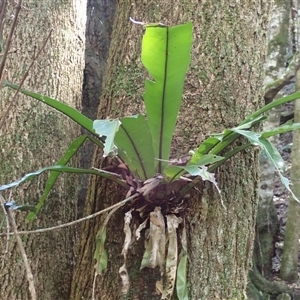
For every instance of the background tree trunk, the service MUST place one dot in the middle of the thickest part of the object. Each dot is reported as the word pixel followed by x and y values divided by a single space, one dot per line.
pixel 289 266
pixel 223 86
pixel 267 222
pixel 34 136
pixel 98 37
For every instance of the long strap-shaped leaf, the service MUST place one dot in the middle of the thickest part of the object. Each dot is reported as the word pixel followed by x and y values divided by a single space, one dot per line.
pixel 135 146
pixel 166 55
pixel 272 153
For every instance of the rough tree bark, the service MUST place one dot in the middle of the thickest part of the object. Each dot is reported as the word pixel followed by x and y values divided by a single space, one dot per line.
pixel 223 86
pixel 98 37
pixel 35 136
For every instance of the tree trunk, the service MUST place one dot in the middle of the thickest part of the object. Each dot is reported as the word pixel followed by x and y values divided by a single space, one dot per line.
pixel 35 136
pixel 289 266
pixel 98 37
pixel 223 86
pixel 267 222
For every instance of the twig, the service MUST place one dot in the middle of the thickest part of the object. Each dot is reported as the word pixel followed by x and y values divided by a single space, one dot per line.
pixel 77 221
pixel 23 79
pixel 274 87
pixel 9 39
pixel 29 274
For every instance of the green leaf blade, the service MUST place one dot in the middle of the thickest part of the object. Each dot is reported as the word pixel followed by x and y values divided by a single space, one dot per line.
pixel 281 129
pixel 272 153
pixel 275 103
pixel 181 279
pixel 166 55
pixel 174 172
pixel 100 253
pixel 256 139
pixel 135 148
pixel 206 159
pixel 204 148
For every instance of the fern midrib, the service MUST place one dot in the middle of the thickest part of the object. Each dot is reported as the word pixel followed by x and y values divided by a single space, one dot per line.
pixel 162 124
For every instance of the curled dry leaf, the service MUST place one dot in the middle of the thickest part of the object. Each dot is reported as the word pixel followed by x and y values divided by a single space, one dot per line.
pixel 140 228
pixel 150 184
pixel 125 279
pixel 159 287
pixel 130 192
pixel 172 255
pixel 128 238
pixel 182 161
pixel 128 234
pixel 142 211
pixel 157 218
pixel 155 245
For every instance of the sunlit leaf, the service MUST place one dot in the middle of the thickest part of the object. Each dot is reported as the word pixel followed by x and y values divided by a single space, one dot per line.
pixel 228 155
pixel 108 129
pixel 218 142
pixel 166 56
